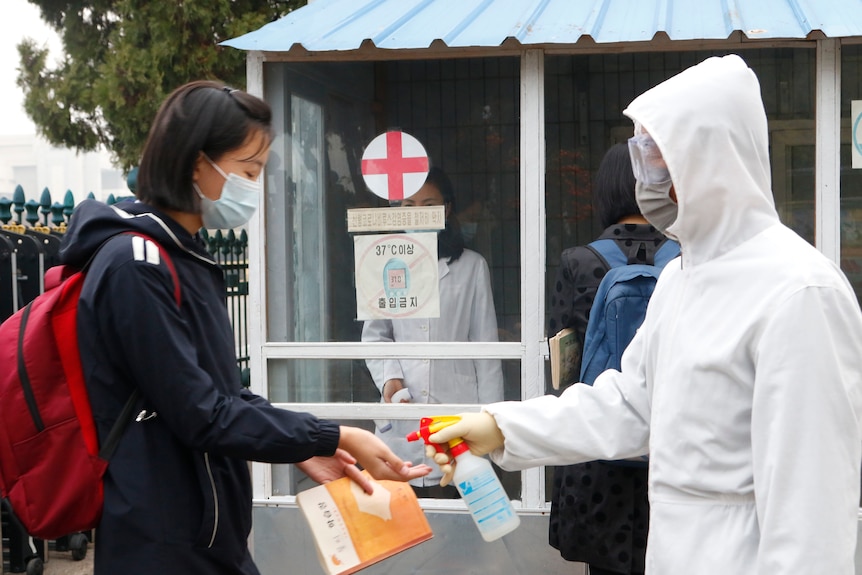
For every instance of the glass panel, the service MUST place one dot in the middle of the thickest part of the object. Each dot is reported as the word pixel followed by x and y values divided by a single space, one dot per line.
pixel 349 380
pixel 464 112
pixel 793 178
pixel 306 120
pixel 584 99
pixel 430 380
pixel 288 480
pixel 851 178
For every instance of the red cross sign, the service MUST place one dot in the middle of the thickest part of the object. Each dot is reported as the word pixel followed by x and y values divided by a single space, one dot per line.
pixel 394 165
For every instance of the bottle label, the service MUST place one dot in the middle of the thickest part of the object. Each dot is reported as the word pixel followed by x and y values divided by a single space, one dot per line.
pixel 486 499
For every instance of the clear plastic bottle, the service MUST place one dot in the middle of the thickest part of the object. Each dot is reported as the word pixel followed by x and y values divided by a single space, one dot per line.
pixel 483 493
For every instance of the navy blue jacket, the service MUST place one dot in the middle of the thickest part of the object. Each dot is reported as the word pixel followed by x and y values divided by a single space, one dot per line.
pixel 177 490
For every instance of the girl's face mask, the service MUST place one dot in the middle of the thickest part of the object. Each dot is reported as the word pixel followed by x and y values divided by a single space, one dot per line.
pixel 238 201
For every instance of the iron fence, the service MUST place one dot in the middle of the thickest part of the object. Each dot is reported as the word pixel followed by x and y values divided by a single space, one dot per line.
pixel 30 234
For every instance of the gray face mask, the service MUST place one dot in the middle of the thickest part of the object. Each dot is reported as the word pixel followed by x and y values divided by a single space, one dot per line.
pixel 655 204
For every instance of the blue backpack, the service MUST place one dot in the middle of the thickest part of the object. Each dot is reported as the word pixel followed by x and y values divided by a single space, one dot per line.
pixel 619 306
pixel 618 311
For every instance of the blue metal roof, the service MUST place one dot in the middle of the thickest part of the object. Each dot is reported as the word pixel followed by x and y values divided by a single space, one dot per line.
pixel 326 25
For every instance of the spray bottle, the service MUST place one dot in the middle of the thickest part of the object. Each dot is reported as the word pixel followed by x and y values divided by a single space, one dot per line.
pixel 475 480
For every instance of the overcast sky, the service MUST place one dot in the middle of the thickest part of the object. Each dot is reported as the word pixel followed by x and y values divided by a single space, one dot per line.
pixel 20 19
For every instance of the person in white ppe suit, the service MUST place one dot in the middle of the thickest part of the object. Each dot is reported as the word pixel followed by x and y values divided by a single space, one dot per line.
pixel 744 383
pixel 467 313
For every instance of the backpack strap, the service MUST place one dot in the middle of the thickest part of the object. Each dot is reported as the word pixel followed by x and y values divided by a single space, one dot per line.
pixel 609 252
pixel 110 445
pixel 613 256
pixel 126 415
pixel 667 251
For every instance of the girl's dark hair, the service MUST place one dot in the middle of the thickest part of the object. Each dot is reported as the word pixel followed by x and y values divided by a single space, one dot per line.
pixel 614 187
pixel 450 241
pixel 200 116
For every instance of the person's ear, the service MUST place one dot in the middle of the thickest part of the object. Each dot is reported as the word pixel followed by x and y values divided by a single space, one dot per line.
pixel 447 210
pixel 199 163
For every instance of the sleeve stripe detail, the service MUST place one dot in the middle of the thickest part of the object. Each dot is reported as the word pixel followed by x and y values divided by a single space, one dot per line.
pixel 145 250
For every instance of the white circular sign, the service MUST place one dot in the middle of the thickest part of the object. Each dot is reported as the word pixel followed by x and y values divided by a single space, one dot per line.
pixel 394 165
pixel 396 276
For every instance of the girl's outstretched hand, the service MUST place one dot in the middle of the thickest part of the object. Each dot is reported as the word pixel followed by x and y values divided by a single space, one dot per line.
pixel 340 464
pixel 375 456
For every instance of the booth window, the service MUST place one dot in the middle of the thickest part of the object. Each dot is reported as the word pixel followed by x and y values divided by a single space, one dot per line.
pixel 584 100
pixel 851 179
pixel 465 113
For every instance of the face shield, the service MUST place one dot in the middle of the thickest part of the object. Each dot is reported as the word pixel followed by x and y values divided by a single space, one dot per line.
pixel 647 163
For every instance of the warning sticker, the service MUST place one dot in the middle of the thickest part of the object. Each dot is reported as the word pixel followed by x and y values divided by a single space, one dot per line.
pixel 396 276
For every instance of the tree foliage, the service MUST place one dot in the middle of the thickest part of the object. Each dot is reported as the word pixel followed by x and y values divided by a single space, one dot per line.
pixel 123 57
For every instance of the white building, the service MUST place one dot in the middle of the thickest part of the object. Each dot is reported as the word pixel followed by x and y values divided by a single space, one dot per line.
pixel 33 163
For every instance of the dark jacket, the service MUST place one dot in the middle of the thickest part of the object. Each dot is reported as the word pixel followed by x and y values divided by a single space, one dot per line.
pixel 177 490
pixel 599 511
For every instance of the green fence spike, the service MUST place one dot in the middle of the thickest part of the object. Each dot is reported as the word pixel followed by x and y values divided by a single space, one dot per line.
pixel 18 195
pixel 132 179
pixel 69 204
pixel 57 216
pixel 32 209
pixel 18 201
pixel 229 243
pixel 5 210
pixel 45 205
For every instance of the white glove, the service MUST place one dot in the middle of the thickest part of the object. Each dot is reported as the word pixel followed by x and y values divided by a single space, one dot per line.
pixel 478 430
pixel 444 461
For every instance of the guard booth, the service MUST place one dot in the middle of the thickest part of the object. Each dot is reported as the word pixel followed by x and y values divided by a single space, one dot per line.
pixel 517 101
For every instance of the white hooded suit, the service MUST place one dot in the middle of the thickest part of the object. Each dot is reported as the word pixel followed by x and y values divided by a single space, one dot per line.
pixel 745 381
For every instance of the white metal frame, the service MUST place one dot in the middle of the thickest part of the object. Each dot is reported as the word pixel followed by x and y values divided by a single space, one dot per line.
pixel 827 141
pixel 528 352
pixel 532 348
pixel 257 279
pixel 532 162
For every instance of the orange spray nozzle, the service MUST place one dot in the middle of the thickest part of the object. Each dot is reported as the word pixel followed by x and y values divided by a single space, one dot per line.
pixel 431 425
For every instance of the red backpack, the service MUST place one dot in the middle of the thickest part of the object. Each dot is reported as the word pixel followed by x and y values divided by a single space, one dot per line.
pixel 51 464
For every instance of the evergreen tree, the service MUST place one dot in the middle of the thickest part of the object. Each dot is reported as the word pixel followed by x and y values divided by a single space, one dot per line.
pixel 123 57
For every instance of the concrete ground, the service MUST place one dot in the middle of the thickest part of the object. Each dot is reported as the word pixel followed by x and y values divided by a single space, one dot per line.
pixel 57 562
pixel 61 563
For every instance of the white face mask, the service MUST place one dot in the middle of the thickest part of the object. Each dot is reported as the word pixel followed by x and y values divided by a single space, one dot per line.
pixel 655 204
pixel 238 201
